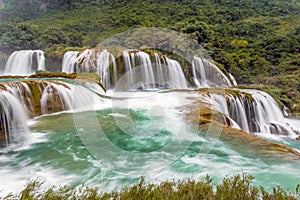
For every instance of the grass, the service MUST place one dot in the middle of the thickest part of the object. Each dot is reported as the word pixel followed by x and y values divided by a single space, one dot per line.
pixel 237 187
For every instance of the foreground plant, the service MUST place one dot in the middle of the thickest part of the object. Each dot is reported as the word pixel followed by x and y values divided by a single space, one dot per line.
pixel 237 187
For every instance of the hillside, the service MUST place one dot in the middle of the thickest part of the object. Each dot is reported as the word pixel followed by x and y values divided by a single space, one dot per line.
pixel 258 41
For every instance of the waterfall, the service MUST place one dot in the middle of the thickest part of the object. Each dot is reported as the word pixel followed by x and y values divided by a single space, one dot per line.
pixel 128 69
pixel 269 117
pixel 160 72
pixel 90 61
pixel 13 121
pixel 253 111
pixel 75 61
pixel 59 96
pixel 21 99
pixel 146 70
pixel 142 73
pixel 46 97
pixel 85 62
pixel 138 70
pixel 55 97
pixel 176 76
pixel 69 62
pixel 25 62
pixel 22 92
pixel 137 66
pixel 206 74
pixel 104 60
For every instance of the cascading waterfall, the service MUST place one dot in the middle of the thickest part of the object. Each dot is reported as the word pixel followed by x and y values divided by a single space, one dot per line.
pixel 176 75
pixel 64 96
pixel 85 61
pixel 90 61
pixel 206 74
pixel 258 114
pixel 25 62
pixel 255 112
pixel 138 70
pixel 160 72
pixel 21 99
pixel 69 61
pixel 13 123
pixel 104 60
pixel 51 96
pixel 268 115
pixel 142 71
pixel 144 121
pixel 22 92
pixel 74 61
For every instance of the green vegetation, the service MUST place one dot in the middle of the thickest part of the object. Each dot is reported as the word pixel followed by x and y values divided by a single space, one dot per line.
pixel 258 41
pixel 235 187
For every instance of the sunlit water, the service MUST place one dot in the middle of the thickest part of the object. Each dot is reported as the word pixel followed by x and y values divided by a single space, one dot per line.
pixel 137 134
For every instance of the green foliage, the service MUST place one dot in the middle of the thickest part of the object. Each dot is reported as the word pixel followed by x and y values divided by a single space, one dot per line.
pixel 17 35
pixel 234 187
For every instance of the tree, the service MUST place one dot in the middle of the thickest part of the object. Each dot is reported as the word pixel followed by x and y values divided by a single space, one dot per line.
pixel 18 35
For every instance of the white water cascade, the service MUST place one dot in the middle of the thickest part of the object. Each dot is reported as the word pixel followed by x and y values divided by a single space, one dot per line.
pixel 176 76
pixel 90 61
pixel 258 113
pixel 52 96
pixel 25 62
pixel 206 74
pixel 69 61
pixel 141 72
pixel 138 70
pixel 104 60
pixel 13 123
pixel 66 97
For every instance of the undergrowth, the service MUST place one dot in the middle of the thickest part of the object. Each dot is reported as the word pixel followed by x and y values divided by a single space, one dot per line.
pixel 237 187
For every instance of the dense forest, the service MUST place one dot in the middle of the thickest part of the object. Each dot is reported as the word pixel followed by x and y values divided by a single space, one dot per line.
pixel 258 41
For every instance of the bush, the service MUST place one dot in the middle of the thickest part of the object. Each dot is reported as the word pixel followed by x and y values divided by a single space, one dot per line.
pixel 237 187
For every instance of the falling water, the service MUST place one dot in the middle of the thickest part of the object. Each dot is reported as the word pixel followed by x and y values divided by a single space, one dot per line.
pixel 13 123
pixel 104 60
pixel 90 61
pixel 138 70
pixel 143 71
pixel 46 97
pixel 67 97
pixel 25 62
pixel 206 74
pixel 160 72
pixel 176 75
pixel 69 61
pixel 128 69
pixel 258 113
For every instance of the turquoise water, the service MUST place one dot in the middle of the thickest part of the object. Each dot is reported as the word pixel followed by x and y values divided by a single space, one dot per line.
pixel 113 147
